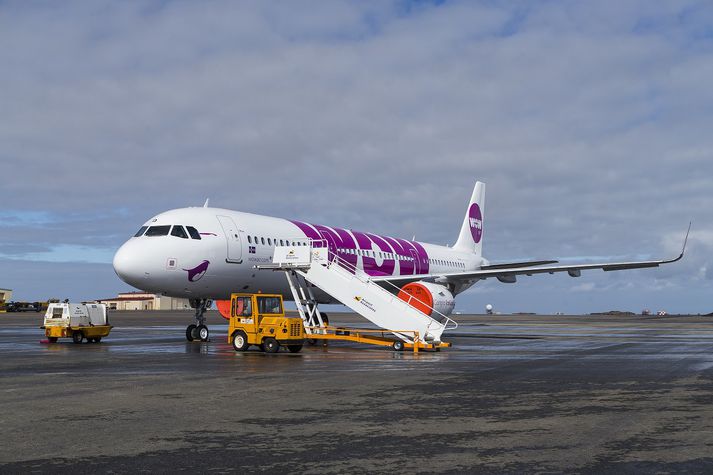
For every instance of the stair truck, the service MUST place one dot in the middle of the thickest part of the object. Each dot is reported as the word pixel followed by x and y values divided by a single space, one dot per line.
pixel 259 319
pixel 76 321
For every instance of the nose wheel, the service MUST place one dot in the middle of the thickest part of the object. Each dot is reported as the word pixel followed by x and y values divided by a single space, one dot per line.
pixel 199 330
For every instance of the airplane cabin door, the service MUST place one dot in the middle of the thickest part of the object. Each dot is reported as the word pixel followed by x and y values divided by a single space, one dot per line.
pixel 232 236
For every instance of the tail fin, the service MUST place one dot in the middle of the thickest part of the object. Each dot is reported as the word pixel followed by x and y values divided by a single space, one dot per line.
pixel 471 233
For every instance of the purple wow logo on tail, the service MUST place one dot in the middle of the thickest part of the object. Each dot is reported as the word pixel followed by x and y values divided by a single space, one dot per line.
pixel 195 274
pixel 475 219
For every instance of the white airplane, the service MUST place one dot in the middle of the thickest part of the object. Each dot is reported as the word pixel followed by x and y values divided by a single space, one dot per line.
pixel 206 254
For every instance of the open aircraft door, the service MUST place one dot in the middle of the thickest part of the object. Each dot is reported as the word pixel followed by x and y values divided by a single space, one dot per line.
pixel 232 236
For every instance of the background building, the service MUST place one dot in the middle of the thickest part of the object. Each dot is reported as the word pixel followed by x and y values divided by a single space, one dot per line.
pixel 5 295
pixel 144 301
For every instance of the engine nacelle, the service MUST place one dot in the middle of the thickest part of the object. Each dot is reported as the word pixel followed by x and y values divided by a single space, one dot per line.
pixel 427 297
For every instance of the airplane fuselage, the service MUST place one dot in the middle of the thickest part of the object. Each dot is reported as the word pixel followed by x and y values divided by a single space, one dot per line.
pixel 209 253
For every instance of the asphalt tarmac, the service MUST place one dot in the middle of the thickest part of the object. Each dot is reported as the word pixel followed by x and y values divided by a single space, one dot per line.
pixel 575 394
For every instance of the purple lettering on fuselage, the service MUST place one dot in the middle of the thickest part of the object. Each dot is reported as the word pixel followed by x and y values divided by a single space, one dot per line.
pixel 414 258
pixel 338 239
pixel 388 265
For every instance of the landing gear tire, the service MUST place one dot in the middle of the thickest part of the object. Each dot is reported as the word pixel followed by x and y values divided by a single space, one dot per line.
pixel 398 345
pixel 240 341
pixel 271 345
pixel 202 332
pixel 77 337
pixel 190 332
pixel 294 348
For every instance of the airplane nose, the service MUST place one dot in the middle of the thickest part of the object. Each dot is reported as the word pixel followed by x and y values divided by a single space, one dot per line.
pixel 127 264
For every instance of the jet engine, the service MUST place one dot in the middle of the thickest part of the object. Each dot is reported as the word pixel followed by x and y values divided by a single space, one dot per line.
pixel 427 297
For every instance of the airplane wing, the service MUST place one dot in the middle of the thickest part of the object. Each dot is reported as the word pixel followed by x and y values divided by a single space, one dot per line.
pixel 508 272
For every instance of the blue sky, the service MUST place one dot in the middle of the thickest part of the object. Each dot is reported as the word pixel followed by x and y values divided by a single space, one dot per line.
pixel 588 120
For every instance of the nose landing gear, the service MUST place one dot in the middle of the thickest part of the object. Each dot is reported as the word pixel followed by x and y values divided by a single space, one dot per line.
pixel 198 330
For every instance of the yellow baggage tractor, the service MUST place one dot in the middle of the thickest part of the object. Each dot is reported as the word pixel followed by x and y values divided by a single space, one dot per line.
pixel 259 319
pixel 76 321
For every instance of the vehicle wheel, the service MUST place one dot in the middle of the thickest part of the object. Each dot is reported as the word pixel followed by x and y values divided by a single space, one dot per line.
pixel 97 339
pixel 77 337
pixel 52 339
pixel 202 332
pixel 90 339
pixel 271 345
pixel 240 341
pixel 311 341
pixel 294 348
pixel 398 345
pixel 189 332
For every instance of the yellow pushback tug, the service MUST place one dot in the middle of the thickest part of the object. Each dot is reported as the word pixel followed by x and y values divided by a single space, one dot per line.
pixel 259 319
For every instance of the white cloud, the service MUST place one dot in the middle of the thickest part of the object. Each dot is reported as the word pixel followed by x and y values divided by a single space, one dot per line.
pixel 589 121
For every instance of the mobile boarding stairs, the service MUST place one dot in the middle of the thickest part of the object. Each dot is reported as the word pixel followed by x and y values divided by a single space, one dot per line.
pixel 312 264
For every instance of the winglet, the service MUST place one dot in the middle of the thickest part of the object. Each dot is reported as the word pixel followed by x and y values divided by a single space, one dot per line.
pixel 683 249
pixel 685 240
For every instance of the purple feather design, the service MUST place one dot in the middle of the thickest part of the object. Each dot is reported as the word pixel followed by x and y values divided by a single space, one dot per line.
pixel 195 274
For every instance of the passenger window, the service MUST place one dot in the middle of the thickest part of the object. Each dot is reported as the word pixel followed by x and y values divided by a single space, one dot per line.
pixel 158 231
pixel 282 242
pixel 193 232
pixel 262 239
pixel 243 307
pixel 269 242
pixel 250 240
pixel 178 231
pixel 268 305
pixel 141 231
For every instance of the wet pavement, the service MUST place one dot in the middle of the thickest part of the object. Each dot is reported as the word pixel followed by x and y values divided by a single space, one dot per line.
pixel 515 394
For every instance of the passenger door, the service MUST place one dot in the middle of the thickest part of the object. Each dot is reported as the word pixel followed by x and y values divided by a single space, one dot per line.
pixel 232 236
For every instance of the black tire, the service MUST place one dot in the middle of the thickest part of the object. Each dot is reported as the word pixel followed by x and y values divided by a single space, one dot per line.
pixel 271 345
pixel 240 341
pixel 90 339
pixel 77 337
pixel 52 339
pixel 202 333
pixel 189 332
pixel 294 348
pixel 97 339
pixel 311 341
pixel 398 345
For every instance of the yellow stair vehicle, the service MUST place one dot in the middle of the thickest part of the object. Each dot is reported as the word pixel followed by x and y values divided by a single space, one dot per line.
pixel 259 319
pixel 76 321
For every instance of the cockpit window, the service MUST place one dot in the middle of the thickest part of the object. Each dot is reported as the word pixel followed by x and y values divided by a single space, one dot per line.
pixel 141 231
pixel 179 232
pixel 158 231
pixel 193 232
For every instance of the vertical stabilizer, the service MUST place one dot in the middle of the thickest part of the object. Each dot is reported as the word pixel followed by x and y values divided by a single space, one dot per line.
pixel 471 233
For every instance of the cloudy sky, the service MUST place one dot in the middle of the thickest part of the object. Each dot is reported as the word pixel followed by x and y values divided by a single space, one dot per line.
pixel 589 121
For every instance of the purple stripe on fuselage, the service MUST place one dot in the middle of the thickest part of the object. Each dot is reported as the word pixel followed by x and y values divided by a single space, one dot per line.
pixel 416 257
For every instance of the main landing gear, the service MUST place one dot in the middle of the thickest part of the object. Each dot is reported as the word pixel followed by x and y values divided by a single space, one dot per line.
pixel 198 330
